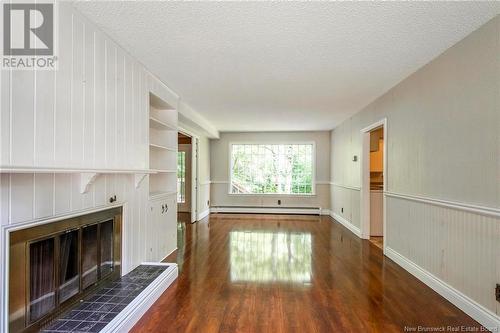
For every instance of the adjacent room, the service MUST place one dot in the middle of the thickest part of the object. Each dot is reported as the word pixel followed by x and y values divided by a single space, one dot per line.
pixel 249 166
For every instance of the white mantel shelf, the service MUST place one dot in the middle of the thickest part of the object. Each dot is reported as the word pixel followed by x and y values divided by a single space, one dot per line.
pixel 14 169
pixel 87 176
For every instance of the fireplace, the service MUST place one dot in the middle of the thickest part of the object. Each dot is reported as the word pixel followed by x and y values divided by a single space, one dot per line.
pixel 52 266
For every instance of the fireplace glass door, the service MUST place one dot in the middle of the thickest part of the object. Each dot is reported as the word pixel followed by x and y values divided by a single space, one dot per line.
pixel 106 235
pixel 69 279
pixel 89 256
pixel 54 265
pixel 41 268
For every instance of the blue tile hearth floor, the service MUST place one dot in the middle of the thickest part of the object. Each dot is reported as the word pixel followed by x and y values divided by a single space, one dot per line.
pixel 99 308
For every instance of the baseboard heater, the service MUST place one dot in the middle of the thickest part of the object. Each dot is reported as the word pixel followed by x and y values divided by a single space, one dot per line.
pixel 266 210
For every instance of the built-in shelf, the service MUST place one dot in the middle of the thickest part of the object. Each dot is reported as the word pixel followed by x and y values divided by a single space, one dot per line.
pixel 154 145
pixel 160 125
pixel 158 194
pixel 162 148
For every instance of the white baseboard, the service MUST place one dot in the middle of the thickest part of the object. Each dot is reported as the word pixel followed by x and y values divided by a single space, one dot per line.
pixel 162 261
pixel 266 210
pixel 129 316
pixel 355 230
pixel 204 214
pixel 326 212
pixel 478 312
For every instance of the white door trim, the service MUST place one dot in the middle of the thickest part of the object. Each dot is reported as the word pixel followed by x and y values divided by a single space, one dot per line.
pixel 365 178
pixel 195 184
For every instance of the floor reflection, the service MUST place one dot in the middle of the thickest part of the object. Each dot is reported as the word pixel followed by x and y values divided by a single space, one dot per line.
pixel 181 245
pixel 270 257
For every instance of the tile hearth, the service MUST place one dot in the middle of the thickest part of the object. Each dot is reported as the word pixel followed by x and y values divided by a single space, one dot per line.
pixel 99 308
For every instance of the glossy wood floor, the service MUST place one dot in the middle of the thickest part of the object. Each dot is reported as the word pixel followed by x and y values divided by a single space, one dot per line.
pixel 256 273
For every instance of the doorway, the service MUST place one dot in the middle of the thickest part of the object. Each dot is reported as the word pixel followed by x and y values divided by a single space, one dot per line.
pixel 373 183
pixel 184 176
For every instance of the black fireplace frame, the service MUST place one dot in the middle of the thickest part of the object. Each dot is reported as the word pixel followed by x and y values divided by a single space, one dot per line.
pixel 19 265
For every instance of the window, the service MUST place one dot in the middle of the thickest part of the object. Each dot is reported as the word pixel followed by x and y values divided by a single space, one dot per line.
pixel 181 177
pixel 272 169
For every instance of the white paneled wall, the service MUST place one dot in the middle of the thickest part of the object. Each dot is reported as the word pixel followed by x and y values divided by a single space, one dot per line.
pixel 91 113
pixel 456 246
pixel 27 197
pixel 345 203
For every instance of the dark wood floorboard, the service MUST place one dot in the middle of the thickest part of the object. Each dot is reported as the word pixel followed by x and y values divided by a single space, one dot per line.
pixel 264 273
pixel 184 217
pixel 377 241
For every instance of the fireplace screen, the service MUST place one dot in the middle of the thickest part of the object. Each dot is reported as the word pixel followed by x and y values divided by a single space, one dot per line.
pixel 89 256
pixel 106 248
pixel 69 282
pixel 42 294
pixel 54 265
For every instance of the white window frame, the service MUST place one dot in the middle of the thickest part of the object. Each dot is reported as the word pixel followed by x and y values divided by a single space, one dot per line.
pixel 313 157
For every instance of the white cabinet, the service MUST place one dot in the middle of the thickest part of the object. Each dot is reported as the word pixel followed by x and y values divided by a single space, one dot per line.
pixel 162 227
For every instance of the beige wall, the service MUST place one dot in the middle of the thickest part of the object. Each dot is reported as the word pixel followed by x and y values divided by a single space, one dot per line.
pixel 443 143
pixel 220 170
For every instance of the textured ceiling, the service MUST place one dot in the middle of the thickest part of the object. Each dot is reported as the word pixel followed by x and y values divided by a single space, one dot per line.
pixel 249 66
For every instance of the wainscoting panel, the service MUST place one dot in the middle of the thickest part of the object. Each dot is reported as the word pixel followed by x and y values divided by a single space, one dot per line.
pixel 204 198
pixel 347 198
pixel 458 247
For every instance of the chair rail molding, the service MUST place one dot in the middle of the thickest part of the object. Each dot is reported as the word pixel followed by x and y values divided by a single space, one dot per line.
pixel 483 210
pixel 355 188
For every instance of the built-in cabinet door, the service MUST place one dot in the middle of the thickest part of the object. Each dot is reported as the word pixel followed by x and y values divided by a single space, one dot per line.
pixel 171 226
pixel 151 226
pixel 162 228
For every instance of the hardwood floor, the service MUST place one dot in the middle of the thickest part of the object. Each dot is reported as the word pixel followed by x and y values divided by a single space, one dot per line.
pixel 256 273
pixel 377 241
pixel 184 217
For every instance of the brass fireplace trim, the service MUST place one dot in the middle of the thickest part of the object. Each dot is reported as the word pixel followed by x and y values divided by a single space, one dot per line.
pixel 19 264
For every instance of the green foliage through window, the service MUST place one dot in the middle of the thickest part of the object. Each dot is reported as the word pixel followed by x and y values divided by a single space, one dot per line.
pixel 272 169
pixel 181 177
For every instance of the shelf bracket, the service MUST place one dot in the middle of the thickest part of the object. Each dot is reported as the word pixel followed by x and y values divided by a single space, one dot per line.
pixel 87 179
pixel 138 178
